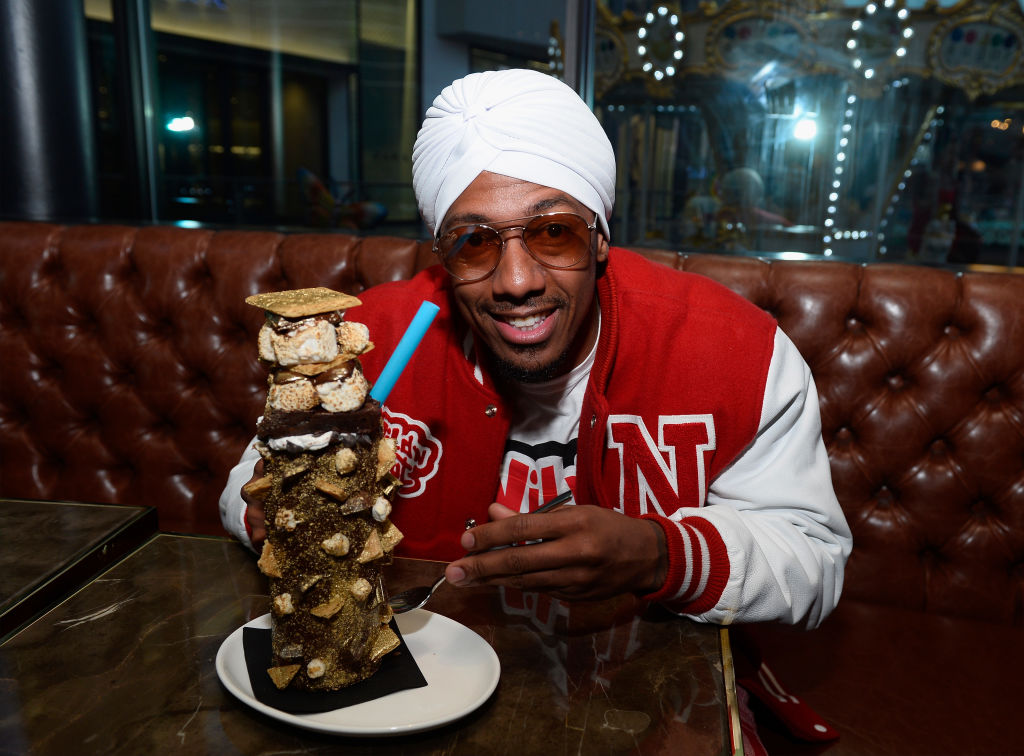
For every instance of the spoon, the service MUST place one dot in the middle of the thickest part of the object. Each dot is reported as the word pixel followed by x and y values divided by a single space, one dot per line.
pixel 414 598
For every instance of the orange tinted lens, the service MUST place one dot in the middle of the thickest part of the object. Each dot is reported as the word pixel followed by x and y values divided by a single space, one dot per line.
pixel 470 250
pixel 560 238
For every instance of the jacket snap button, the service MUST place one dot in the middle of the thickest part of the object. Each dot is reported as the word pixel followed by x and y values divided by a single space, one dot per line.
pixel 593 420
pixel 491 410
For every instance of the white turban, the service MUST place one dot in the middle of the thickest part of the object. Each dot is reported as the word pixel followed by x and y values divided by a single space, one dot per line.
pixel 518 123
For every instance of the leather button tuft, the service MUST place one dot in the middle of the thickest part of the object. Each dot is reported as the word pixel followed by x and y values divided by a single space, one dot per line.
pixel 491 410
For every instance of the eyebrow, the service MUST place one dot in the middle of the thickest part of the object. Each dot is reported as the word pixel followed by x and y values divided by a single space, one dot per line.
pixel 542 206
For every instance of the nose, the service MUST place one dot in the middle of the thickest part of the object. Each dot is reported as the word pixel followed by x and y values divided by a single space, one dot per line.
pixel 518 275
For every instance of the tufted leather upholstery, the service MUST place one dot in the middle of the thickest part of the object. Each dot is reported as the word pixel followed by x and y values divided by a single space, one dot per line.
pixel 129 376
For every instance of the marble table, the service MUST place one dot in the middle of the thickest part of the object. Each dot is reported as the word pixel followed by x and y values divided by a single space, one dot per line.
pixel 49 548
pixel 126 665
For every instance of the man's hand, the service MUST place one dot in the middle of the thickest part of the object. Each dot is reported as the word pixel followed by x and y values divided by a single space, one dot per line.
pixel 587 553
pixel 253 494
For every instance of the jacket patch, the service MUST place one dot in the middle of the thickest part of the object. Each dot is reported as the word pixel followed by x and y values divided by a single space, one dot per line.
pixel 664 476
pixel 418 452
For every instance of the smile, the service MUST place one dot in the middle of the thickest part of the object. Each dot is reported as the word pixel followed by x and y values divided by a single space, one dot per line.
pixel 531 329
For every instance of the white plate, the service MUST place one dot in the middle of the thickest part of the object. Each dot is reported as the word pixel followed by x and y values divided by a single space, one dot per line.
pixel 461 670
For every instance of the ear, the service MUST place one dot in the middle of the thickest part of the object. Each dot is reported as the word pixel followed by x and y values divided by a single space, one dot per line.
pixel 602 249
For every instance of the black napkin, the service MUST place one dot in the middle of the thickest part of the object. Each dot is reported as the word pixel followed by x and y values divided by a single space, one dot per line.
pixel 398 671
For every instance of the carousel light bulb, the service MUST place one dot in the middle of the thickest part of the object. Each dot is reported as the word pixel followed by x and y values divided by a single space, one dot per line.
pixel 641 49
pixel 659 75
pixel 662 10
pixel 871 8
pixel 868 73
pixel 829 222
pixel 833 196
pixel 680 36
pixel 641 32
pixel 856 25
pixel 850 44
pixel 670 70
pixel 648 66
pixel 900 52
pixel 902 14
pixel 678 55
pixel 908 33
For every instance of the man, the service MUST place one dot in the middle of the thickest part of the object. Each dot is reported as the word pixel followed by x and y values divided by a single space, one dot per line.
pixel 682 419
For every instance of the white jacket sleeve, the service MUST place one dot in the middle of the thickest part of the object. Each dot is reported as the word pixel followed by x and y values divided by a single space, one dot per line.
pixel 776 510
pixel 232 507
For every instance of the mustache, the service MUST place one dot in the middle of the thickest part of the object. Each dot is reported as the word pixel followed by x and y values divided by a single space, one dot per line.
pixel 504 306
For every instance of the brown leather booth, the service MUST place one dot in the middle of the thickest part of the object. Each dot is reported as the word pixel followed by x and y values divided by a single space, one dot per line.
pixel 129 375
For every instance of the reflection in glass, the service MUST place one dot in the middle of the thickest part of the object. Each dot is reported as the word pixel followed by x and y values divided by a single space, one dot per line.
pixel 859 131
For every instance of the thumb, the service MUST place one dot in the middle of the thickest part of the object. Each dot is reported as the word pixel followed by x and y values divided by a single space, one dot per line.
pixel 500 512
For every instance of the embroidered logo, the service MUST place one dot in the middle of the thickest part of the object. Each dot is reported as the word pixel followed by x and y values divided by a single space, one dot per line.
pixel 418 452
pixel 667 474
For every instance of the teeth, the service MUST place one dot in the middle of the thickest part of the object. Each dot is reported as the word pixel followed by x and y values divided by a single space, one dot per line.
pixel 525 323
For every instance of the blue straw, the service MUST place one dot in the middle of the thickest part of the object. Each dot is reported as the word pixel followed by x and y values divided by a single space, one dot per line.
pixel 400 357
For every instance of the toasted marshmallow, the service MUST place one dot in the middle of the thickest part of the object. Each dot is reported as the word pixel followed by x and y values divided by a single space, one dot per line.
pixel 342 390
pixel 311 342
pixel 353 338
pixel 292 395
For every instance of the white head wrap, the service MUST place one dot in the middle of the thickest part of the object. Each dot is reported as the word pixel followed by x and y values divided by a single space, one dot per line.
pixel 517 123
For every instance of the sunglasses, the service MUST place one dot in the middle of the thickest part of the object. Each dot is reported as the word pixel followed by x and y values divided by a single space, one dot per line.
pixel 556 240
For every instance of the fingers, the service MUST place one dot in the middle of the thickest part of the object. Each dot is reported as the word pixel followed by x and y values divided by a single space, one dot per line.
pixel 576 553
pixel 507 528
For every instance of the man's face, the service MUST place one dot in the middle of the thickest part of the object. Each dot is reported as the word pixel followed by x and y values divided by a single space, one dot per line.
pixel 536 322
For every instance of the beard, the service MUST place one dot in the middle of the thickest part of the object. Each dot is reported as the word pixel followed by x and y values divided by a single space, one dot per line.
pixel 527 371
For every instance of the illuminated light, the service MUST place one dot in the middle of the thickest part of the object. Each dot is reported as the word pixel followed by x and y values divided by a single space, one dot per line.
pixel 843 142
pixel 181 123
pixel 833 196
pixel 856 25
pixel 642 32
pixel 908 33
pixel 670 70
pixel 828 252
pixel 851 99
pixel 187 224
pixel 907 173
pixel 889 3
pixel 805 129
pixel 978 166
pixel 901 186
pixel 902 14
pixel 659 75
pixel 836 184
pixel 840 156
pixel 849 113
pixel 839 170
pixel 829 222
pixel 850 44
pixel 857 63
pixel 871 8
pixel 881 250
pixel 673 19
pixel 940 110
pixel 900 52
pixel 831 209
pixel 846 128
pixel 648 66
pixel 827 239
pixel 678 55
pixel 680 36
pixel 641 49
pixel 649 17
pixel 662 10
pixel 869 73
